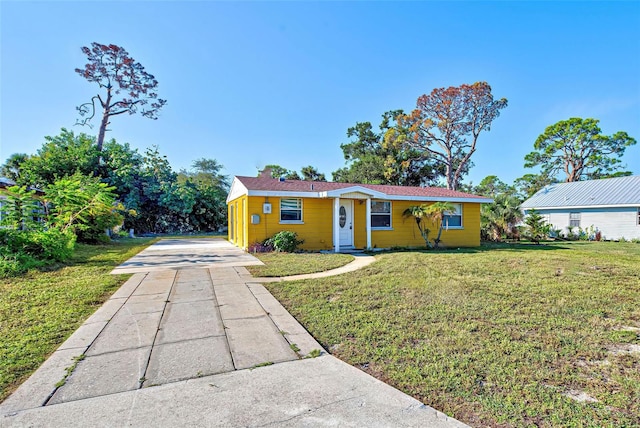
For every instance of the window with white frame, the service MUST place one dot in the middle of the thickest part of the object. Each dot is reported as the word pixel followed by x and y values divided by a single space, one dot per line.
pixel 453 219
pixel 290 210
pixel 380 214
pixel 574 219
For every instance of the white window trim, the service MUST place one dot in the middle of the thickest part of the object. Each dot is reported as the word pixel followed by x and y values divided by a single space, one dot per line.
pixel 578 219
pixel 301 221
pixel 447 227
pixel 390 227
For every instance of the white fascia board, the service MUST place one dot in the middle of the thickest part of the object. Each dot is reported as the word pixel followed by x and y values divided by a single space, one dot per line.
pixel 354 189
pixel 277 194
pixel 237 189
pixel 580 207
pixel 439 199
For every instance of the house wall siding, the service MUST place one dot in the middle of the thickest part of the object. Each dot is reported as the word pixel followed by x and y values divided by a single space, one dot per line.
pixel 405 233
pixel 613 223
pixel 238 227
pixel 315 228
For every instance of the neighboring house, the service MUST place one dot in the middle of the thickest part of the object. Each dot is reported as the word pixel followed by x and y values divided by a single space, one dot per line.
pixel 335 216
pixel 4 184
pixel 610 205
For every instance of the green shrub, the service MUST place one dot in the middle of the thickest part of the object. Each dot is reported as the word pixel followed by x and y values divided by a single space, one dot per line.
pixel 285 241
pixel 46 245
pixel 17 264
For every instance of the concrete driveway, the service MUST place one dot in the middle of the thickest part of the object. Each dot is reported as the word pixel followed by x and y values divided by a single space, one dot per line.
pixel 173 254
pixel 191 340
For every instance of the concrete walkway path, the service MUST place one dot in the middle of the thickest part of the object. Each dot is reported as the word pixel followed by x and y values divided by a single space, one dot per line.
pixel 360 261
pixel 202 346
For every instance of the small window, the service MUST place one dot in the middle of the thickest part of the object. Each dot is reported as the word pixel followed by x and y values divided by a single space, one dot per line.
pixel 380 215
pixel 638 223
pixel 290 210
pixel 453 218
pixel 574 219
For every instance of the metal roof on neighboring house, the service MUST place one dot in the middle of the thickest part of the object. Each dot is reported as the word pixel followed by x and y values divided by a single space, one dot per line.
pixel 619 191
pixel 6 182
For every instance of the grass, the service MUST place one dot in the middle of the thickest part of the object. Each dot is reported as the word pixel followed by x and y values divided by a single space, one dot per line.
pixel 496 336
pixel 286 264
pixel 39 310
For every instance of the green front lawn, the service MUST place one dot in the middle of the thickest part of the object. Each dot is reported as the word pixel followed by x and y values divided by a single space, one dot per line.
pixel 39 310
pixel 499 336
pixel 287 264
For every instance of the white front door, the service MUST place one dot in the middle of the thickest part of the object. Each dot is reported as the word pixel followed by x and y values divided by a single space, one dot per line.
pixel 346 223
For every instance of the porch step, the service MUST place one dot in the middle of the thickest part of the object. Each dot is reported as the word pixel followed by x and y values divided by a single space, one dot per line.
pixel 350 250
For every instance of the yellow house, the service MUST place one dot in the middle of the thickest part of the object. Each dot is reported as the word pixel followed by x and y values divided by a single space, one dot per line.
pixel 343 216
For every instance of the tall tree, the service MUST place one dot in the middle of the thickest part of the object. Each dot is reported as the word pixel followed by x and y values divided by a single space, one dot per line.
pixel 310 173
pixel 278 171
pixel 208 172
pixel 527 185
pixel 61 156
pixel 12 167
pixel 209 212
pixel 492 186
pixel 577 147
pixel 446 125
pixel 380 157
pixel 127 87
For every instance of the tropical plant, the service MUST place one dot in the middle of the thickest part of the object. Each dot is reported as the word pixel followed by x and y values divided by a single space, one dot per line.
pixel 436 212
pixel 12 167
pixel 25 240
pixel 83 205
pixel 433 213
pixel 500 217
pixel 418 213
pixel 537 229
pixel 20 208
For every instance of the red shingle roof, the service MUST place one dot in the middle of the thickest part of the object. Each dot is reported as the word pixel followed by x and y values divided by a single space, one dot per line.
pixel 275 185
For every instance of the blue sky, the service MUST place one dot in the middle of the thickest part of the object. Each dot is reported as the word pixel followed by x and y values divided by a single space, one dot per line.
pixel 253 83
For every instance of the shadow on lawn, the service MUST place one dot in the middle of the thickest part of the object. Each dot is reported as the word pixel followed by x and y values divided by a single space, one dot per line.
pixel 509 246
pixel 483 248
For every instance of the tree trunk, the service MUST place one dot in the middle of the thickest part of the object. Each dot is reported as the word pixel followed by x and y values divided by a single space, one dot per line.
pixel 106 110
pixel 437 240
pixel 451 184
pixel 103 129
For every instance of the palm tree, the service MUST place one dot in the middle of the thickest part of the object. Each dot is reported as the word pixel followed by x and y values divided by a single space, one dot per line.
pixel 436 213
pixel 500 217
pixel 418 213
pixel 12 166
